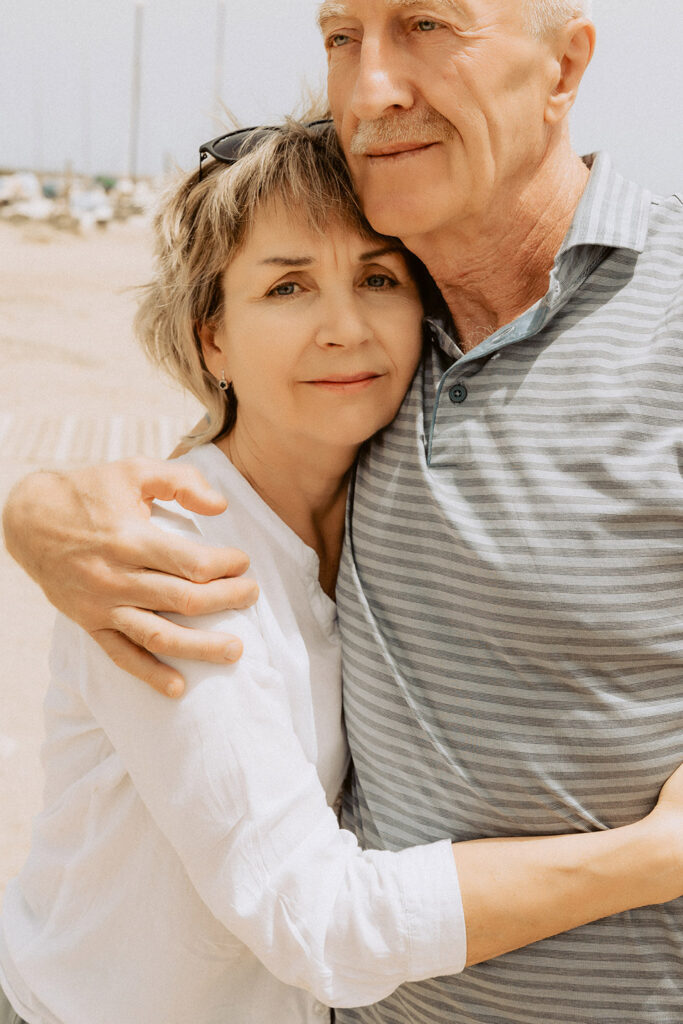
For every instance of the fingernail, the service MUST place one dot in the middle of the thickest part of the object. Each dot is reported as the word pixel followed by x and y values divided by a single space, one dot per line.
pixel 233 650
pixel 175 689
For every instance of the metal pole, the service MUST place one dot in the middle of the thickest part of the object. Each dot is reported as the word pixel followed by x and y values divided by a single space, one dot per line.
pixel 135 94
pixel 86 120
pixel 37 126
pixel 218 67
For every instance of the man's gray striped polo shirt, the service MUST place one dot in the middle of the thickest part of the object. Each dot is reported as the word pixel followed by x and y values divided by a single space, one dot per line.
pixel 511 600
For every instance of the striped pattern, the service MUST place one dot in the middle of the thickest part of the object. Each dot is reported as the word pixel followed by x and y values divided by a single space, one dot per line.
pixel 511 601
pixel 53 440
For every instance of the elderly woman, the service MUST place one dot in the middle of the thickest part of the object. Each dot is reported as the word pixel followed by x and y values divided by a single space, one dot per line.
pixel 188 864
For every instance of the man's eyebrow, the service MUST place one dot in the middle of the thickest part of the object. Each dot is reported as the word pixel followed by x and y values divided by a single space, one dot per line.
pixel 452 6
pixel 338 8
pixel 330 9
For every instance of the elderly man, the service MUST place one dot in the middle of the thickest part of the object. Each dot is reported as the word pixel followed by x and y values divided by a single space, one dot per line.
pixel 510 594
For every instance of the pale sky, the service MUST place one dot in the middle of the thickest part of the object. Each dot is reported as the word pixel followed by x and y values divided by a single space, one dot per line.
pixel 65 80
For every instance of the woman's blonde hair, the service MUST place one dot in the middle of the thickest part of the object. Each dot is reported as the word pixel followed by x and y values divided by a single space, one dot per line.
pixel 200 226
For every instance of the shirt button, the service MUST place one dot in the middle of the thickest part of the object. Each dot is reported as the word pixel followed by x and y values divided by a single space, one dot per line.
pixel 458 394
pixel 321 1011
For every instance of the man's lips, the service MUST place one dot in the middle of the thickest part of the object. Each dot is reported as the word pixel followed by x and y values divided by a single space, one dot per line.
pixel 397 149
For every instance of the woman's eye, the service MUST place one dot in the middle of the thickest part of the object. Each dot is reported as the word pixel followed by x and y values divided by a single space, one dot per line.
pixel 286 288
pixel 379 281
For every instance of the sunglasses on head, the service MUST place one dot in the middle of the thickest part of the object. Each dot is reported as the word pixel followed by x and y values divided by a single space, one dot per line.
pixel 228 149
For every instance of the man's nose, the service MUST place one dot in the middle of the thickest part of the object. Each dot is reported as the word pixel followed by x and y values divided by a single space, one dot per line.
pixel 343 323
pixel 381 83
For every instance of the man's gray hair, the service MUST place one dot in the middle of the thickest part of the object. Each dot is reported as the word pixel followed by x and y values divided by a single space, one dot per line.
pixel 545 16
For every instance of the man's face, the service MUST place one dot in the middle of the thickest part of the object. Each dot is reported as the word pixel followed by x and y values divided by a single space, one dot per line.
pixel 440 106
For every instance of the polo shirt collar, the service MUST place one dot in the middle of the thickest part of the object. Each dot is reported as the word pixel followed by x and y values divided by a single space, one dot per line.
pixel 613 212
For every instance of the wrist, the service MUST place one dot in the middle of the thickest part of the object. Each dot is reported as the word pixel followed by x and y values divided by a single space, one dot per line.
pixel 630 866
pixel 27 510
pixel 16 514
pixel 658 839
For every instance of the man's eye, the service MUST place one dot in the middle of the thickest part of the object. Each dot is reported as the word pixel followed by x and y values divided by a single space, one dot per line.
pixel 426 25
pixel 286 288
pixel 337 40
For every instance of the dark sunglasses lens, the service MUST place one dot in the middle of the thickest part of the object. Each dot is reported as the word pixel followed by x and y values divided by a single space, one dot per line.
pixel 320 127
pixel 231 147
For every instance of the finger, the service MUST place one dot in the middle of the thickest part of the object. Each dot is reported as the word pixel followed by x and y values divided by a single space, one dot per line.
pixel 157 635
pixel 145 546
pixel 183 483
pixel 163 593
pixel 139 663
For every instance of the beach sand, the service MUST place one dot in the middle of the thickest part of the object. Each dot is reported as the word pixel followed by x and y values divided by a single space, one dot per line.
pixel 74 388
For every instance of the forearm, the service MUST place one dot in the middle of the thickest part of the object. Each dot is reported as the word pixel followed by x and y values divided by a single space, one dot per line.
pixel 518 891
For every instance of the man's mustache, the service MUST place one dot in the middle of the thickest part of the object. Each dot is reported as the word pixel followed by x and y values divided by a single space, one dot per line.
pixel 424 125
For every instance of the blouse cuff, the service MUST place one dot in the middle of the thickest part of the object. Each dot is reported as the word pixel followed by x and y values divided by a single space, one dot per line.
pixel 434 911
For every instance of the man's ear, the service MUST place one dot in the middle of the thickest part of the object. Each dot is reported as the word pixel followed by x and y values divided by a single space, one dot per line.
pixel 575 47
pixel 214 359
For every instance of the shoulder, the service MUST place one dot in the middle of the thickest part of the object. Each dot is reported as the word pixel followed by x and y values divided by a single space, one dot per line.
pixel 663 264
pixel 665 234
pixel 79 666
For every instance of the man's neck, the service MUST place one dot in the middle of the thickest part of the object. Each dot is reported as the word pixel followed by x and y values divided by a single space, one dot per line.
pixel 493 268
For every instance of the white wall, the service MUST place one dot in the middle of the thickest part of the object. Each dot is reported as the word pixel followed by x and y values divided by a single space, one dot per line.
pixel 66 65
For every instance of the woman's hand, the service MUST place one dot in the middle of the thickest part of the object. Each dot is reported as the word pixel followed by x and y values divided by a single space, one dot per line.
pixel 670 800
pixel 664 825
pixel 86 538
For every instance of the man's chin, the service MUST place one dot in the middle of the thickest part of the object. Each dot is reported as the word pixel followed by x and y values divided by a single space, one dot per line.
pixel 397 214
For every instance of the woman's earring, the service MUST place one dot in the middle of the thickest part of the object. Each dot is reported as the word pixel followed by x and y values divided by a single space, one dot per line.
pixel 222 383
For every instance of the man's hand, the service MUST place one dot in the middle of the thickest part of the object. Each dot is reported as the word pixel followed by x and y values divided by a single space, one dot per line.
pixel 86 538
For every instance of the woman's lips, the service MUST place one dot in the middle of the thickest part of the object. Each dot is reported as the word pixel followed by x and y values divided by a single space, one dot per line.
pixel 346 383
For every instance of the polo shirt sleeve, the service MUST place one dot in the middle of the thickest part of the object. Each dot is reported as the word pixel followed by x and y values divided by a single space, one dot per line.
pixel 226 780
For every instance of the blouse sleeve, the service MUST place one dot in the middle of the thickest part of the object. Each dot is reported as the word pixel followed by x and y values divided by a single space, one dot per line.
pixel 226 780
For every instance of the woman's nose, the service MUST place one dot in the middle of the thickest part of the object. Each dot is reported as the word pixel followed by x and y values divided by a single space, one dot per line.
pixel 343 324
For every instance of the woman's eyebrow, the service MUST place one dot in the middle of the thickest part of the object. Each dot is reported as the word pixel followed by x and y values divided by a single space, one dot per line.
pixel 307 261
pixel 287 261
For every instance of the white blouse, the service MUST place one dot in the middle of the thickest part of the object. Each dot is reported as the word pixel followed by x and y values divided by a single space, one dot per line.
pixel 188 864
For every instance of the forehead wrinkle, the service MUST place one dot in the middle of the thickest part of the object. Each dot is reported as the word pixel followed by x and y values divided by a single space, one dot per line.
pixel 384 250
pixel 339 9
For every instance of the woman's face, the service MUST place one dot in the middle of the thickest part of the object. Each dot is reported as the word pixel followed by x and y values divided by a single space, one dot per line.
pixel 321 333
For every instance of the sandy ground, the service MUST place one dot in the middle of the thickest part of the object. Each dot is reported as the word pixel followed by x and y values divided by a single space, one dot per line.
pixel 73 388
